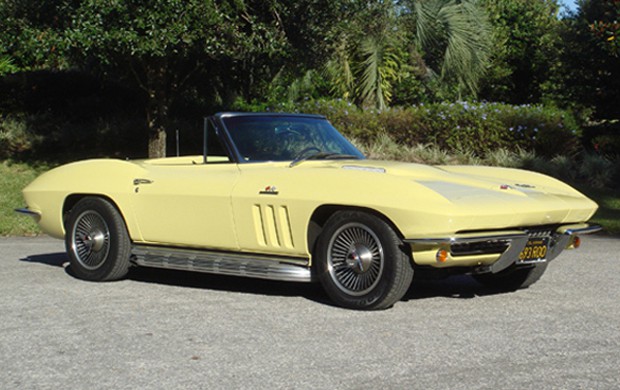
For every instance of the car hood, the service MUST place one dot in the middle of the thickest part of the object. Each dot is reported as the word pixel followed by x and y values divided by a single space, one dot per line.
pixel 461 182
pixel 460 197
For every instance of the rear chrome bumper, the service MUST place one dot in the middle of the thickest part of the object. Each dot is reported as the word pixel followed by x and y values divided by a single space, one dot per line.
pixel 505 244
pixel 27 211
pixel 33 214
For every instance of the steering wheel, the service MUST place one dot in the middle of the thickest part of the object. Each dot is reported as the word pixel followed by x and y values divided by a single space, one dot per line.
pixel 289 133
pixel 299 155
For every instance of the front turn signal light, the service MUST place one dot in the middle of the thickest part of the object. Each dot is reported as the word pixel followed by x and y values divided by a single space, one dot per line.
pixel 576 242
pixel 441 256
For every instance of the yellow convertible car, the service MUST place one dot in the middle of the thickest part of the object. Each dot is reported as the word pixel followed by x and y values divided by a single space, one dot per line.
pixel 287 197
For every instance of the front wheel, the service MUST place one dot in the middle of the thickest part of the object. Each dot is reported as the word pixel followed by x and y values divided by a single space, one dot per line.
pixel 512 278
pixel 361 261
pixel 97 241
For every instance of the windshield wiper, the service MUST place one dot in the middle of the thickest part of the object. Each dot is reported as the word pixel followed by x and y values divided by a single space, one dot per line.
pixel 323 156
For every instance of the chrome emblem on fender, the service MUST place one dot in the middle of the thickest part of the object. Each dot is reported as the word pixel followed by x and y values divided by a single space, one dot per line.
pixel 269 190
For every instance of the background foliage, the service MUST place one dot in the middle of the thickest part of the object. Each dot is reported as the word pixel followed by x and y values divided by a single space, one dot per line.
pixel 114 78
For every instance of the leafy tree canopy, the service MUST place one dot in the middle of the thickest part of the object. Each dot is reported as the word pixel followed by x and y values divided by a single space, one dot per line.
pixel 31 36
pixel 525 35
pixel 590 75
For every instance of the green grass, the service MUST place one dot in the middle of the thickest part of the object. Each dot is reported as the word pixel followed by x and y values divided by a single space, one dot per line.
pixel 13 178
pixel 608 214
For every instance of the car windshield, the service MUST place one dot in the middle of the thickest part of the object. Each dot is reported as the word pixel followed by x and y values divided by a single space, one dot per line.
pixel 287 138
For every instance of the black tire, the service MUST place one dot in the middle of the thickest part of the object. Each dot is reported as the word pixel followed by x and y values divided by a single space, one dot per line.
pixel 97 241
pixel 512 278
pixel 361 262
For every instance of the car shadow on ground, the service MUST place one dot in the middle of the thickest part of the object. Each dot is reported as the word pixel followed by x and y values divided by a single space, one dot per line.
pixel 59 259
pixel 207 281
pixel 459 287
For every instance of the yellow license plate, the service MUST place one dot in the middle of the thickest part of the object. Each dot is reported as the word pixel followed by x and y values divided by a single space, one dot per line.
pixel 535 250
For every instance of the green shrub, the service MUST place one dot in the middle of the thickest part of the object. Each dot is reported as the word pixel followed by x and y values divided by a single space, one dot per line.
pixel 43 136
pixel 597 171
pixel 502 158
pixel 15 137
pixel 7 66
pixel 563 168
pixel 472 126
pixel 608 144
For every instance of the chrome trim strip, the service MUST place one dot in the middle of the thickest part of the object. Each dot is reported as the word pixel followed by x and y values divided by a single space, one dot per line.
pixel 579 229
pixel 224 263
pixel 27 211
pixel 469 238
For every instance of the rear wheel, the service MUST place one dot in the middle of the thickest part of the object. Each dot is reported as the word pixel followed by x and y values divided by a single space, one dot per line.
pixel 97 241
pixel 513 278
pixel 361 261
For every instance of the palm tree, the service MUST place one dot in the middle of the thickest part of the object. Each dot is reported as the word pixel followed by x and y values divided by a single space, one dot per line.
pixel 367 58
pixel 379 70
pixel 452 37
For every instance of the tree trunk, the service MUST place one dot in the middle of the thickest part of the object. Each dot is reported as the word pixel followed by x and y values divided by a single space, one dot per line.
pixel 157 108
pixel 157 142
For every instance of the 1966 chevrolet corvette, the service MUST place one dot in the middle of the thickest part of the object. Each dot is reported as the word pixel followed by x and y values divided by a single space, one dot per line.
pixel 286 197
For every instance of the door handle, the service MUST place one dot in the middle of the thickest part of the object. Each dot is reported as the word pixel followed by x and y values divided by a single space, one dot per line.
pixel 137 182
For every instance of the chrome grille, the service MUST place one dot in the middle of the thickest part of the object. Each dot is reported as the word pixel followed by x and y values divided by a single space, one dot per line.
pixel 479 248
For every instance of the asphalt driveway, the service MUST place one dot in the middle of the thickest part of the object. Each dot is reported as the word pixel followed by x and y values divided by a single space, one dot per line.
pixel 171 329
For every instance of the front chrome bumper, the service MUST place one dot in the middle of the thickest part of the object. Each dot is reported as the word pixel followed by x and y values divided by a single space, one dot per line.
pixel 505 245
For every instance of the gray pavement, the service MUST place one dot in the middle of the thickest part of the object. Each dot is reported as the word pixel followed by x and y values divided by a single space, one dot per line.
pixel 179 330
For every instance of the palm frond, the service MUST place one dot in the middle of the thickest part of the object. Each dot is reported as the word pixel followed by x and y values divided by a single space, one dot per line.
pixel 339 71
pixel 370 85
pixel 467 52
pixel 460 32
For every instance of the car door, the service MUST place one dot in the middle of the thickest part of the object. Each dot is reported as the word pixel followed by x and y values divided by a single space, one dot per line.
pixel 187 204
pixel 270 210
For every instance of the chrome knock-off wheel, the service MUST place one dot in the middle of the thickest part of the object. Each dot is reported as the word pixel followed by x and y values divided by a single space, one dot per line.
pixel 361 262
pixel 355 259
pixel 97 241
pixel 90 240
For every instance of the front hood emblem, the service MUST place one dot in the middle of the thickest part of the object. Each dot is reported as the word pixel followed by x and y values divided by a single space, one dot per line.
pixel 509 187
